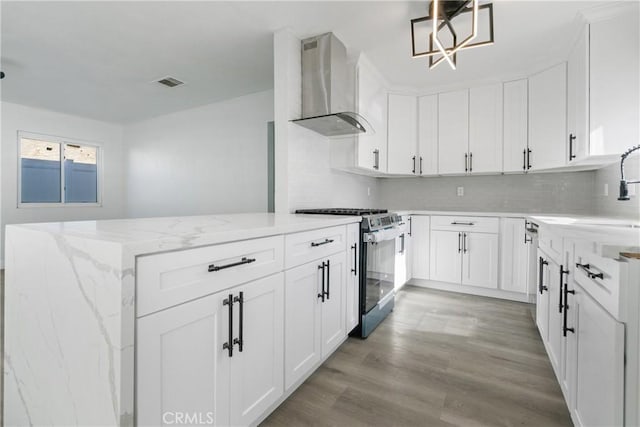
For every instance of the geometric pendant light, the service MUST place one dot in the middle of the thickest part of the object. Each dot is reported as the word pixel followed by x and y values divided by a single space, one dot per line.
pixel 444 17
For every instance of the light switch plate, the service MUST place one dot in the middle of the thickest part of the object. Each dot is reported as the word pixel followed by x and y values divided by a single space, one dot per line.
pixel 460 191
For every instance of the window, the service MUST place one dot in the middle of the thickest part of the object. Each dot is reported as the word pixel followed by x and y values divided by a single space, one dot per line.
pixel 56 170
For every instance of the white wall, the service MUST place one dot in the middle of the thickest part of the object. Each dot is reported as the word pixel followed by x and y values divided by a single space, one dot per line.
pixel 15 117
pixel 308 180
pixel 209 159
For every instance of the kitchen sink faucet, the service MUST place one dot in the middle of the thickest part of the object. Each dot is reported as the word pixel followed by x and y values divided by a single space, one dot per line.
pixel 624 190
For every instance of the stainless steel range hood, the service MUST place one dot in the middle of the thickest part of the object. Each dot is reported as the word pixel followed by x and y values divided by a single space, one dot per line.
pixel 328 95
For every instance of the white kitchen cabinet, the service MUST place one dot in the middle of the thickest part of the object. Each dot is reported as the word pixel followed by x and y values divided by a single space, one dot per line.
pixel 408 245
pixel 578 97
pixel 599 383
pixel 183 366
pixel 542 296
pixel 402 148
pixel 445 256
pixel 315 324
pixel 515 125
pixel 400 275
pixel 485 129
pixel 371 97
pixel 453 132
pixel 428 135
pixel 480 259
pixel 570 344
pixel 352 283
pixel 555 342
pixel 548 118
pixel 514 256
pixel 420 243
pixel 614 66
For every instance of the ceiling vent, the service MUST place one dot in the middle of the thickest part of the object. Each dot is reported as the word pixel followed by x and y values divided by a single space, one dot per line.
pixel 170 82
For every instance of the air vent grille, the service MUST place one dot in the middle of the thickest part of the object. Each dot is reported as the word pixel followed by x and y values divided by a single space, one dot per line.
pixel 170 82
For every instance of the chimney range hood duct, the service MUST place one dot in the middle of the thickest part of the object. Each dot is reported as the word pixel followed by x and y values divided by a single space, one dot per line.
pixel 327 95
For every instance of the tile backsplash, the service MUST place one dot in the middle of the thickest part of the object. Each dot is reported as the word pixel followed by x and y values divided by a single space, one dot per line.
pixel 566 192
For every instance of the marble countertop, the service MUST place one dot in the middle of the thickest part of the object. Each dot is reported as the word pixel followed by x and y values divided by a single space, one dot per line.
pixel 146 235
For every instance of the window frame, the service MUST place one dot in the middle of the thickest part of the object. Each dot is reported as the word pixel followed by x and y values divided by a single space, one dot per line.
pixel 59 140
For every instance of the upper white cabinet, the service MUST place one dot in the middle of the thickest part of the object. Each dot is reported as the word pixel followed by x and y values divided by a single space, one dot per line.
pixel 428 134
pixel 614 103
pixel 548 118
pixel 402 135
pixel 485 129
pixel 577 98
pixel 453 132
pixel 371 101
pixel 515 125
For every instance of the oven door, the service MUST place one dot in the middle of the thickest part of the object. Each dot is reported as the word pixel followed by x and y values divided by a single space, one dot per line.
pixel 378 283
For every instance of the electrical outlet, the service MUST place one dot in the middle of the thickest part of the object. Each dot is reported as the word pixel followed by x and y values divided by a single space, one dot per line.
pixel 460 191
pixel 606 190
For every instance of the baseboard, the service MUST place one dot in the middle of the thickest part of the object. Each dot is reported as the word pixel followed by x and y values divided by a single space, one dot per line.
pixel 472 290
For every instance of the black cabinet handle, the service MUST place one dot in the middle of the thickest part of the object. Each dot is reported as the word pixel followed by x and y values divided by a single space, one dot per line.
pixel 314 244
pixel 420 165
pixel 464 243
pixel 402 245
pixel 562 286
pixel 524 160
pixel 354 270
pixel 528 158
pixel 244 260
pixel 376 159
pixel 565 329
pixel 229 344
pixel 240 340
pixel 572 138
pixel 459 242
pixel 587 269
pixel 328 279
pixel 462 223
pixel 466 162
pixel 321 294
pixel 470 162
pixel 410 225
pixel 414 165
pixel 541 286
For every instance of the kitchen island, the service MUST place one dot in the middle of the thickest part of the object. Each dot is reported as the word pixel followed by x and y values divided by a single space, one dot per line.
pixel 75 292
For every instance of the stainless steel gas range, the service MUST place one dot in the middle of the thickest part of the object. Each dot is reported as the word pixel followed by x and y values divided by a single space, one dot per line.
pixel 378 232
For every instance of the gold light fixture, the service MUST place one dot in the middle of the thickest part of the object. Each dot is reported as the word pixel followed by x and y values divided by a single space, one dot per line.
pixel 442 14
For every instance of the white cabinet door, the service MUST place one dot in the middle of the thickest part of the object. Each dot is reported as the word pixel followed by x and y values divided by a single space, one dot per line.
pixel 614 104
pixel 372 104
pixel 570 346
pixel 515 125
pixel 548 118
pixel 555 340
pixel 428 134
pixel 303 321
pixel 257 370
pixel 599 364
pixel 181 365
pixel 352 283
pixel 480 259
pixel 400 274
pixel 408 245
pixel 485 129
pixel 542 296
pixel 402 156
pixel 453 132
pixel 333 307
pixel 446 250
pixel 514 256
pixel 420 232
pixel 577 97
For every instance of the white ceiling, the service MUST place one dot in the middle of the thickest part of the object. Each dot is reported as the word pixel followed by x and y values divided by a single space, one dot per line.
pixel 99 59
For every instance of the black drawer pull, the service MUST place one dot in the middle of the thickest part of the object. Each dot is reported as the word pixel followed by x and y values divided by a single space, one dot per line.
pixel 314 244
pixel 462 223
pixel 229 344
pixel 354 270
pixel 240 339
pixel 323 293
pixel 566 329
pixel 587 269
pixel 244 260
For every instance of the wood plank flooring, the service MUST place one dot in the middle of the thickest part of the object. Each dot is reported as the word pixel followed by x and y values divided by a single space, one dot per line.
pixel 440 359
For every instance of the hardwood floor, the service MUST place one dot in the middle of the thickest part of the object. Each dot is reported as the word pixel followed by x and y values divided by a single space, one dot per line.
pixel 439 359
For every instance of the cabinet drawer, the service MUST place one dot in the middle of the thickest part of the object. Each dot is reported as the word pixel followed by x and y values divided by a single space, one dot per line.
pixel 551 243
pixel 482 224
pixel 600 277
pixel 164 280
pixel 306 246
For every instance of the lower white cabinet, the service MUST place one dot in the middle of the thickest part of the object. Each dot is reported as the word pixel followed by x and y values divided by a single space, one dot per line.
pixel 352 282
pixel 514 255
pixel 315 314
pixel 542 297
pixel 420 242
pixel 186 369
pixel 469 258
